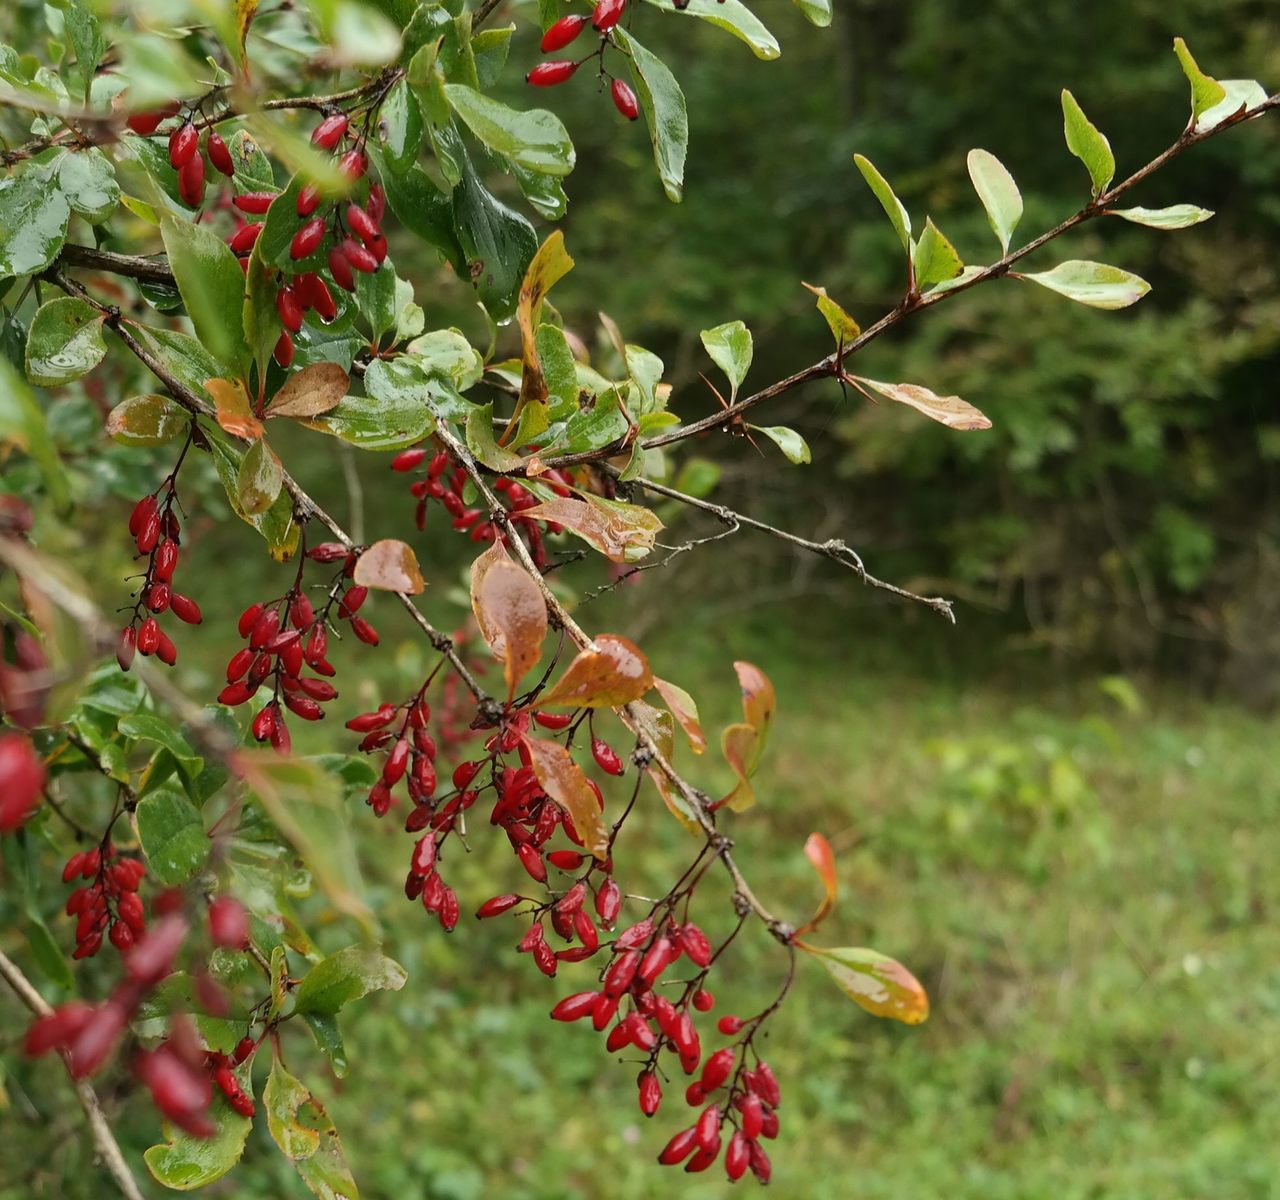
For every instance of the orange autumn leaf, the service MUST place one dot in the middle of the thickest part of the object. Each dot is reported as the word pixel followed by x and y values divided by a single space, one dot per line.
pixel 390 566
pixel 510 611
pixel 818 851
pixel 612 674
pixel 563 780
pixel 232 408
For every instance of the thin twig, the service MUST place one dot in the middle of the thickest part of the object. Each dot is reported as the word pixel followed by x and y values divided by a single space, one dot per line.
pixel 105 1141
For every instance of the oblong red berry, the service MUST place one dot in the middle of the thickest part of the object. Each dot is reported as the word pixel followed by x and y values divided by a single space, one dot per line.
pixel 548 74
pixel 497 905
pixel 289 309
pixel 360 258
pixel 607 758
pixel 340 269
pixel 248 619
pixel 241 242
pixel 307 200
pixel 219 155
pixel 329 132
pixel 228 922
pixel 307 240
pixel 624 99
pixel 145 123
pixel 607 14
pixel 562 32
pixel 679 1147
pixel 361 223
pixel 185 609
pixel 191 181
pixel 183 142
pixel 575 1007
pixel 253 202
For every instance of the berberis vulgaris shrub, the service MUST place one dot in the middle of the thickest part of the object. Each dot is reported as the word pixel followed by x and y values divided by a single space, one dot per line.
pixel 207 203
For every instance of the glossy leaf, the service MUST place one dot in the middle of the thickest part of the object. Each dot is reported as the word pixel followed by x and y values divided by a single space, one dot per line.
pixel 685 710
pixel 310 392
pixel 893 207
pixel 87 180
pixel 392 415
pixel 232 408
pixel 936 259
pixel 277 524
pixel 884 987
pixel 816 12
pixel 665 112
pixel 1176 216
pixel 998 192
pixel 743 744
pixel 400 127
pixel 172 836
pixel 1242 95
pixel 1205 91
pixel 510 611
pixel 734 17
pixel 181 355
pixel 498 243
pixel 950 411
pixel 33 222
pixel 1088 144
pixel 1094 284
pixel 536 139
pixel 818 851
pixel 420 205
pixel 185 1163
pixel 260 479
pixel 622 532
pixel 612 674
pixel 563 780
pixel 390 566
pixel 146 421
pixel 65 341
pixel 305 1133
pixel 482 443
pixel 843 327
pixel 349 975
pixel 212 287
pixel 731 349
pixel 788 441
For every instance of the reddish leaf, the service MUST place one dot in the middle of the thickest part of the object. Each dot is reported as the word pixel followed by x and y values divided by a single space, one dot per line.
pixel 510 611
pixel 684 710
pixel 613 674
pixel 743 744
pixel 818 851
pixel 620 531
pixel 390 566
pixel 310 392
pixel 884 987
pixel 563 780
pixel 232 408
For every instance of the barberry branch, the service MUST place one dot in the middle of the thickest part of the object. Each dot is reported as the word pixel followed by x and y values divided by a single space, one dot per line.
pixel 105 1141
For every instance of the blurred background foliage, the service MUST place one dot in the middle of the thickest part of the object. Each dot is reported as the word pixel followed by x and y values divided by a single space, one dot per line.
pixel 1081 874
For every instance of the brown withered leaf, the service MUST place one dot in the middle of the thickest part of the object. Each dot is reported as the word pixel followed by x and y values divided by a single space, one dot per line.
pixel 310 392
pixel 613 674
pixel 563 780
pixel 950 411
pixel 232 408
pixel 621 532
pixel 510 611
pixel 389 566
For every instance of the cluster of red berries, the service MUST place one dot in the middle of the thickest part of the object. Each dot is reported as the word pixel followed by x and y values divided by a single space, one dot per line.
pixel 109 903
pixel 88 1033
pixel 22 777
pixel 476 522
pixel 186 154
pixel 410 750
pixel 565 31
pixel 157 534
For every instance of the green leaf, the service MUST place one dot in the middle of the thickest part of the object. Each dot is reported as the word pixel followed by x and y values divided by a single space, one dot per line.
pixel 536 139
pixel 185 1162
pixel 22 424
pixel 392 415
pixel 816 12
pixel 843 327
pixel 482 443
pixel 731 349
pixel 33 222
pixel 65 341
pixel 172 836
pixel 260 478
pixel 212 287
pixel 423 209
pixel 1176 216
pixel 306 1135
pixel 324 1028
pixel 276 525
pixel 1243 95
pixel 788 441
pixel 936 259
pixel 998 192
pixel 665 112
pixel 736 18
pixel 1088 144
pixel 498 243
pixel 348 975
pixel 88 181
pixel 884 987
pixel 159 71
pixel 400 127
pixel 1092 283
pixel 181 355
pixel 146 727
pixel 893 207
pixel 1205 91
pixel 84 31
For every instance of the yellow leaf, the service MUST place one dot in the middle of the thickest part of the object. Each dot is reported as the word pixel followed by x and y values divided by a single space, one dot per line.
pixel 613 674
pixel 232 408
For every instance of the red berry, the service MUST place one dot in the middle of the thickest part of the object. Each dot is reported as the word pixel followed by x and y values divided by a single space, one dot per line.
pixel 312 292
pixel 707 1130
pixel 737 1157
pixel 548 74
pixel 241 242
pixel 219 155
pixel 360 258
pixel 307 240
pixel 407 460
pixel 564 31
pixel 185 609
pixel 228 922
pixel 679 1147
pixel 148 636
pixel 340 269
pixel 361 223
pixel 289 309
pixel 353 164
pixel 575 1007
pixel 329 132
pixel 606 757
pixel 307 201
pixel 182 145
pixel 650 1093
pixel 752 1116
pixel 624 99
pixel 145 123
pixel 253 202
pixel 248 619
pixel 364 631
pixel 22 777
pixel 283 352
pixel 125 648
pixel 191 182
pixel 498 905
pixel 717 1069
pixel 532 862
pixel 607 14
